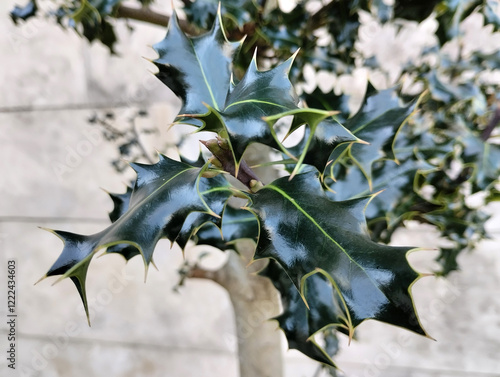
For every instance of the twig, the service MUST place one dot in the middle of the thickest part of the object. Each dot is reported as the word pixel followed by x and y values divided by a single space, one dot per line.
pixel 319 18
pixel 223 154
pixel 494 121
pixel 152 17
pixel 200 273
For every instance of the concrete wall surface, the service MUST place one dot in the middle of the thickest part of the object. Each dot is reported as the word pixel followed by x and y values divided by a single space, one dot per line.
pixel 53 164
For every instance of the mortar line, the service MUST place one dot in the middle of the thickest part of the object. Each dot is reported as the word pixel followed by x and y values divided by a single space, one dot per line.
pixel 35 219
pixel 126 344
pixel 76 106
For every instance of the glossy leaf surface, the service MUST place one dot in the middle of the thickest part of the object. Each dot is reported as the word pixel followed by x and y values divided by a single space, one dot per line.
pixel 121 203
pixel 236 224
pixel 323 134
pixel 164 195
pixel 197 70
pixel 377 123
pixel 300 323
pixel 390 181
pixel 258 95
pixel 372 280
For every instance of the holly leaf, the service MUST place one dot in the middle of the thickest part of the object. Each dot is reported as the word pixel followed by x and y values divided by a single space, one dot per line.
pixel 121 204
pixel 373 281
pixel 259 95
pixel 300 323
pixel 323 134
pixel 414 10
pixel 90 19
pixel 377 122
pixel 197 70
pixel 237 224
pixel 328 101
pixel 164 195
pixel 390 180
pixel 199 162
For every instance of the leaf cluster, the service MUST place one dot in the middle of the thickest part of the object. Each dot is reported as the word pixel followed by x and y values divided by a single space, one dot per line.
pixel 445 154
pixel 329 272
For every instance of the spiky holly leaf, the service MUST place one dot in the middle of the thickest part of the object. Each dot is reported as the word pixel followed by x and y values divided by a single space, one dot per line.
pixel 328 101
pixel 199 162
pixel 377 122
pixel 121 203
pixel 258 95
pixel 197 70
pixel 394 179
pixel 323 134
pixel 308 233
pixel 300 323
pixel 237 224
pixel 164 195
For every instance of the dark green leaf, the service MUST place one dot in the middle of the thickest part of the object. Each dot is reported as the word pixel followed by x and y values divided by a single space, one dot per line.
pixel 199 162
pixel 300 323
pixel 328 101
pixel 203 12
pixel 394 179
pixel 236 224
pixel 258 95
pixel 377 122
pixel 121 203
pixel 164 195
pixel 197 70
pixel 372 280
pixel 416 10
pixel 323 134
pixel 90 19
pixel 448 259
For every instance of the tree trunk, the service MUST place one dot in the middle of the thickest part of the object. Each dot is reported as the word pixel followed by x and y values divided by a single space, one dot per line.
pixel 255 301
